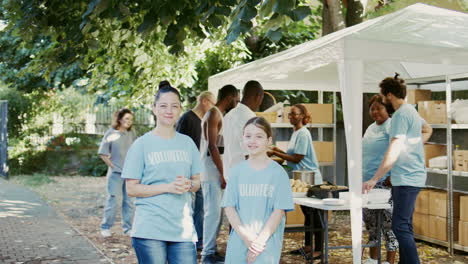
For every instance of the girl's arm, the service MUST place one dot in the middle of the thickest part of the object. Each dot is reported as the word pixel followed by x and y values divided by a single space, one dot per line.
pixel 258 245
pixel 236 223
pixel 136 189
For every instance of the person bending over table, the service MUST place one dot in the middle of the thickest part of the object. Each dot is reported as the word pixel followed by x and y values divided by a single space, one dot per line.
pixel 301 156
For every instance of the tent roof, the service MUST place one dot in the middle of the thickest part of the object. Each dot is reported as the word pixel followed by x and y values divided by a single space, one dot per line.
pixel 417 41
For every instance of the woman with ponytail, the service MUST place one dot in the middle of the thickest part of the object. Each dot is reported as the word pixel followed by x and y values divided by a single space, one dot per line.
pixel 301 156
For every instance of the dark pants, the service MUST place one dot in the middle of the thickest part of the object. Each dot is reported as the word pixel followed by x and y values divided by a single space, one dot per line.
pixel 318 235
pixel 404 198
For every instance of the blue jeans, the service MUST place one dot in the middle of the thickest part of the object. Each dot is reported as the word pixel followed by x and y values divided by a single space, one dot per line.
pixel 115 187
pixel 152 251
pixel 212 195
pixel 404 198
pixel 198 215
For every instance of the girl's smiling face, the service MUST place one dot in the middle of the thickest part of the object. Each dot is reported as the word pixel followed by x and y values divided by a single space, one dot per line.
pixel 255 140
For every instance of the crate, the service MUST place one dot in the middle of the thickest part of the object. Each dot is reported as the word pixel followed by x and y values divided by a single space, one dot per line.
pixel 271 117
pixel 434 112
pixel 421 224
pixel 413 96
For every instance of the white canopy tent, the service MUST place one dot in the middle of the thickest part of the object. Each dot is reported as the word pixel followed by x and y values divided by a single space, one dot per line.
pixel 417 41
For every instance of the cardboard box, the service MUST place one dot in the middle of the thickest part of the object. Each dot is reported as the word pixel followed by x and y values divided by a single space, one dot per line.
pixel 460 154
pixel 434 150
pixel 438 203
pixel 422 202
pixel 320 113
pixel 295 217
pixel 438 228
pixel 421 224
pixel 286 111
pixel 324 150
pixel 464 208
pixel 460 165
pixel 463 233
pixel 434 112
pixel 413 96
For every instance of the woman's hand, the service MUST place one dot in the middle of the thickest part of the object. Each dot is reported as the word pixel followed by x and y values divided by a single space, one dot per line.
pixel 180 185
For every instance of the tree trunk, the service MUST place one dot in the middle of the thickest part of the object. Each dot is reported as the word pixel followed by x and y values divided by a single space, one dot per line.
pixel 355 12
pixel 336 15
pixel 326 22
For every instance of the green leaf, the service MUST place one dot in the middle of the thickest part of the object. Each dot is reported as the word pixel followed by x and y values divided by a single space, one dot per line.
pixel 300 13
pixel 266 8
pixel 215 21
pixel 254 2
pixel 274 35
pixel 149 23
pixel 223 10
pixel 283 6
pixel 247 13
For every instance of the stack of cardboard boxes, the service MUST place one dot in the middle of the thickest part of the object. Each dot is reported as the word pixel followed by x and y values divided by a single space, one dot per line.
pixel 460 160
pixel 430 214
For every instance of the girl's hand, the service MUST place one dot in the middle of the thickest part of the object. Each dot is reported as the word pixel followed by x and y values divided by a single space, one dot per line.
pixel 180 185
pixel 257 246
pixel 248 238
pixel 251 257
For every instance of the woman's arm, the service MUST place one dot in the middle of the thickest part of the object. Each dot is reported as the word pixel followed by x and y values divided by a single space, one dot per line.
pixel 106 159
pixel 136 189
pixel 195 183
pixel 296 158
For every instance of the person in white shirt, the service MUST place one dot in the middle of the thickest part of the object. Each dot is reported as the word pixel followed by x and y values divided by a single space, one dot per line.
pixel 234 121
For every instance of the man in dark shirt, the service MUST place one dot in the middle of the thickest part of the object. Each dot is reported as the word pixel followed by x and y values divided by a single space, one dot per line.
pixel 190 124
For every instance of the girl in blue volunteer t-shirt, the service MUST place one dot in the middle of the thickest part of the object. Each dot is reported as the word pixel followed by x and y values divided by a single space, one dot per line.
pixel 161 169
pixel 256 198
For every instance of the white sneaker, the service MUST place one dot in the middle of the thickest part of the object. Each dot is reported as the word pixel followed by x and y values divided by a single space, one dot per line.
pixel 106 233
pixel 370 261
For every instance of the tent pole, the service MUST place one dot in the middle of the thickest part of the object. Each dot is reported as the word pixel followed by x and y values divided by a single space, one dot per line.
pixel 448 98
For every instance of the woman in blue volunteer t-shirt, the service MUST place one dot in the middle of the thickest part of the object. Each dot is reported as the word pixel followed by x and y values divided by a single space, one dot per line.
pixel 161 169
pixel 257 196
pixel 374 145
pixel 301 156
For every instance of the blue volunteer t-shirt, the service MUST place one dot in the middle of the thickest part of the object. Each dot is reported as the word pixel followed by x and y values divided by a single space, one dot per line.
pixel 255 194
pixel 409 169
pixel 374 146
pixel 154 160
pixel 301 144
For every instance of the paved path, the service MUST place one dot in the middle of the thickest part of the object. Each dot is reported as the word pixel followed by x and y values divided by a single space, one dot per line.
pixel 31 232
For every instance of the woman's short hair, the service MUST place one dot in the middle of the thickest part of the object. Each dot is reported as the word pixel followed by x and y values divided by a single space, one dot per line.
pixel 261 123
pixel 118 115
pixel 305 112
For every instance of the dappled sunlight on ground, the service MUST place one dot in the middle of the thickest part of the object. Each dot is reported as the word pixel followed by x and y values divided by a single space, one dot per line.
pixel 80 200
